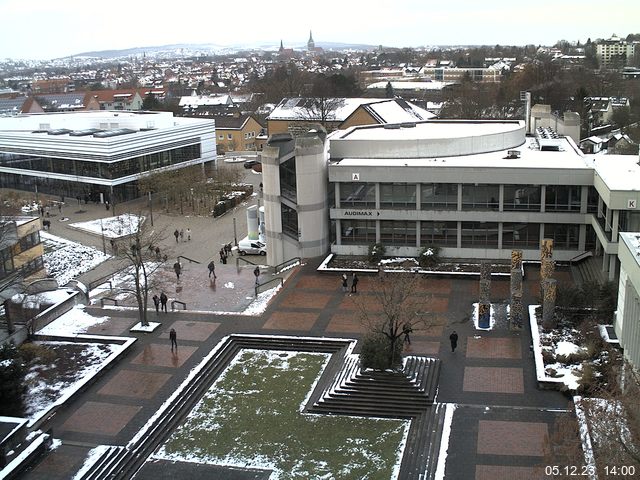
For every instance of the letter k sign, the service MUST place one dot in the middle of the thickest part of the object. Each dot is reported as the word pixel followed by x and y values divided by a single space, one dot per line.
pixel 632 203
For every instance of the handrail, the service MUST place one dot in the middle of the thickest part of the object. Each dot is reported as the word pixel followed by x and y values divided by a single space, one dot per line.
pixel 100 281
pixel 187 258
pixel 581 256
pixel 258 286
pixel 238 259
pixel 284 265
pixel 114 300
pixel 173 305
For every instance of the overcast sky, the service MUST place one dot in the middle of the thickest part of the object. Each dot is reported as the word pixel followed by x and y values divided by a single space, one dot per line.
pixel 43 29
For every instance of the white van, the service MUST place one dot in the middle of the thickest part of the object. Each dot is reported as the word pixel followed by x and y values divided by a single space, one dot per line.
pixel 251 247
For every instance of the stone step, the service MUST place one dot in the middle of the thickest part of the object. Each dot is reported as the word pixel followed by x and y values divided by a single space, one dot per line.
pixel 420 459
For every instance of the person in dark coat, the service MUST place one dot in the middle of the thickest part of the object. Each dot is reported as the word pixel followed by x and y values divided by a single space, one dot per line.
pixel 173 336
pixel 406 329
pixel 163 301
pixel 223 256
pixel 178 269
pixel 344 282
pixel 354 283
pixel 453 338
pixel 176 234
pixel 212 269
pixel 156 302
pixel 256 272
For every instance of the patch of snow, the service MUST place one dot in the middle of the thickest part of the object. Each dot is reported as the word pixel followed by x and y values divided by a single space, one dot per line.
pixel 66 260
pixel 585 438
pixel 567 348
pixel 259 305
pixel 229 285
pixel 92 457
pixel 112 227
pixel 450 408
pixel 16 463
pixel 75 321
pixel 138 327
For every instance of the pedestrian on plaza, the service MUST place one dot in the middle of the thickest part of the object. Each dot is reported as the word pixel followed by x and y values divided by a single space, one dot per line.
pixel 176 234
pixel 256 272
pixel 59 208
pixel 156 302
pixel 453 338
pixel 42 211
pixel 406 329
pixel 354 283
pixel 157 253
pixel 182 235
pixel 163 301
pixel 227 249
pixel 188 234
pixel 344 283
pixel 78 198
pixel 173 336
pixel 212 269
pixel 222 256
pixel 177 268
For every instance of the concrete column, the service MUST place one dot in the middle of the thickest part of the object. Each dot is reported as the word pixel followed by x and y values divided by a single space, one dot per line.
pixel 459 235
pixel 543 198
pixel 418 229
pixel 614 225
pixel 336 192
pixel 584 199
pixel 600 204
pixel 338 231
pixel 418 196
pixel 607 223
pixel 501 198
pixel 459 197
pixel 499 235
pixel 377 196
pixel 613 261
pixel 582 238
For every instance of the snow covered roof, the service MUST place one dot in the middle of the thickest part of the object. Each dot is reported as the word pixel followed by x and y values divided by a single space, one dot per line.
pixel 619 172
pixel 632 240
pixel 397 111
pixel 200 100
pixel 417 86
pixel 302 108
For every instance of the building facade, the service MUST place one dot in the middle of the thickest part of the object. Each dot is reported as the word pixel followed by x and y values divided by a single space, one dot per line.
pixel 615 52
pixel 20 248
pixel 98 155
pixel 476 189
pixel 627 319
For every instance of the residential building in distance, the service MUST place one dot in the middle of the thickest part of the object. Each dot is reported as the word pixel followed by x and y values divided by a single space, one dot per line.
pixel 16 105
pixel 98 155
pixel 615 52
pixel 67 102
pixel 339 113
pixel 476 189
pixel 20 248
pixel 129 99
pixel 237 132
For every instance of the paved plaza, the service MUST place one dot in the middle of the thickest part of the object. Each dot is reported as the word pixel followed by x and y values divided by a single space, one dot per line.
pixel 500 422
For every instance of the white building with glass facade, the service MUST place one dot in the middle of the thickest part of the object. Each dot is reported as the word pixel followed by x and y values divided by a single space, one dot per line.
pixel 99 154
pixel 476 189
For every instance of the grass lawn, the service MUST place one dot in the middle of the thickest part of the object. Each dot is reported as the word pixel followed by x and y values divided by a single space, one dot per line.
pixel 251 417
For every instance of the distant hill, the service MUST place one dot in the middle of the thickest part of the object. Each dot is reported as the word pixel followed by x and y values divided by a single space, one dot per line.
pixel 210 48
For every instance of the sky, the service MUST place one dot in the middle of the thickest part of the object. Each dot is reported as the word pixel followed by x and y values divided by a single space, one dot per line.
pixel 45 29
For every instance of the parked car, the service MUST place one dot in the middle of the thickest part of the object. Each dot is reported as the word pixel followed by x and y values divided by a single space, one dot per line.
pixel 252 164
pixel 251 247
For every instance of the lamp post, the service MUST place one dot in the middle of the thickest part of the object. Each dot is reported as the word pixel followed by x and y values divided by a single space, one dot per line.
pixel 104 245
pixel 150 208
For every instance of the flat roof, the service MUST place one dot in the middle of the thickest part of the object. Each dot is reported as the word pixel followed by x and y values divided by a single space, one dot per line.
pixel 619 172
pixel 432 130
pixel 632 239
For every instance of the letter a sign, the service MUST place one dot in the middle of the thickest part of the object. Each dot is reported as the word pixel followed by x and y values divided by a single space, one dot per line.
pixel 355 177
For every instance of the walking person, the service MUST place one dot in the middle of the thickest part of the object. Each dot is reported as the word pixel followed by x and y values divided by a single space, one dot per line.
pixel 188 234
pixel 256 272
pixel 212 269
pixel 182 235
pixel 344 283
pixel 176 234
pixel 406 329
pixel 156 302
pixel 178 269
pixel 354 283
pixel 222 256
pixel 453 338
pixel 163 301
pixel 173 336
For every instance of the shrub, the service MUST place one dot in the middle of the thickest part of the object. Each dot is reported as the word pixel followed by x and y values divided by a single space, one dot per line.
pixel 32 351
pixel 376 252
pixel 12 386
pixel 376 352
pixel 429 257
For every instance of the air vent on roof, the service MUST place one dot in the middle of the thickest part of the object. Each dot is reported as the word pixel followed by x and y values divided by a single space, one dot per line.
pixel 114 133
pixel 84 133
pixel 59 131
pixel 392 126
pixel 513 154
pixel 408 125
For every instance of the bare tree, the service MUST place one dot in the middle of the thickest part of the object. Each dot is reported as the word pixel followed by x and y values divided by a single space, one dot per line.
pixel 321 109
pixel 400 308
pixel 139 254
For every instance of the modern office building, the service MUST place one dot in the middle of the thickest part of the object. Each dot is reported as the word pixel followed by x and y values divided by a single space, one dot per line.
pixel 20 250
pixel 627 322
pixel 99 154
pixel 615 52
pixel 476 189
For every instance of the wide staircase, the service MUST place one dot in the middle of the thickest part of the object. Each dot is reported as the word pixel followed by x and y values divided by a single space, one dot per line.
pixel 588 270
pixel 343 389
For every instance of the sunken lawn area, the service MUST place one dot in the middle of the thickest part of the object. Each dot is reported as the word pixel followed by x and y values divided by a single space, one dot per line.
pixel 252 417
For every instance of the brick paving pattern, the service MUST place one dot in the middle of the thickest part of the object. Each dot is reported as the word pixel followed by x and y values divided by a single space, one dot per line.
pixel 300 299
pixel 160 355
pixel 488 347
pixel 100 418
pixel 192 331
pixel 511 438
pixel 291 321
pixel 505 472
pixel 134 384
pixel 493 380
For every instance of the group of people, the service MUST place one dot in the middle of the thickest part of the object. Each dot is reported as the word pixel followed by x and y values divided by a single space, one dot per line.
pixel 180 234
pixel 350 283
pixel 160 301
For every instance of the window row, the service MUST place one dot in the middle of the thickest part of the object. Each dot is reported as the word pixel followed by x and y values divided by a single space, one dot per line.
pixel 447 196
pixel 445 234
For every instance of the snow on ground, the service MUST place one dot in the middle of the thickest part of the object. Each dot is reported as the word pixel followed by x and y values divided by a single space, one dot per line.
pixel 259 305
pixel 42 394
pixel 113 227
pixel 565 348
pixel 73 322
pixel 66 260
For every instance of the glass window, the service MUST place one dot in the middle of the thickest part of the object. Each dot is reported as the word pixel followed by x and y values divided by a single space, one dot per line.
pixel 565 237
pixel 398 233
pixel 480 234
pixel 480 197
pixel 592 200
pixel 288 186
pixel 229 136
pixel 398 196
pixel 523 235
pixel 358 195
pixel 439 196
pixel 358 232
pixel 289 221
pixel 521 197
pixel 562 198
pixel 439 234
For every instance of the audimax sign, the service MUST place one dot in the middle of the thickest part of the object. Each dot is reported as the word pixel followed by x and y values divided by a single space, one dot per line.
pixel 361 213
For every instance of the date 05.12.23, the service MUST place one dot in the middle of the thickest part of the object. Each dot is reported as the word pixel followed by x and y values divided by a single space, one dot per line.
pixel 589 470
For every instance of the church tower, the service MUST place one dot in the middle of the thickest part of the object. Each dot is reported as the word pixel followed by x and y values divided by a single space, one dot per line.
pixel 311 45
pixel 281 47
